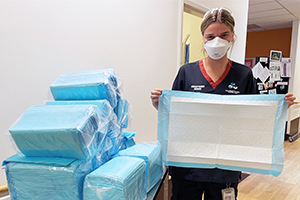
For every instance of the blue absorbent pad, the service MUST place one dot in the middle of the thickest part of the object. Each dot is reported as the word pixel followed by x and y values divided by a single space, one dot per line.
pixel 232 132
pixel 71 131
pixel 151 153
pixel 46 178
pixel 121 178
pixel 128 138
pixel 106 111
pixel 87 85
pixel 54 161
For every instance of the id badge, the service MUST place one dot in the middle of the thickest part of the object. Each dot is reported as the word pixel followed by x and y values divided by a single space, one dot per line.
pixel 228 194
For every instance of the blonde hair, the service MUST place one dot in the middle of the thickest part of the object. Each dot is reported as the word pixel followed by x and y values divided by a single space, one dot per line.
pixel 221 15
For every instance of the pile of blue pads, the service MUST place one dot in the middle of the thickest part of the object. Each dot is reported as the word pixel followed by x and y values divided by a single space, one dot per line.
pixel 119 178
pixel 75 146
pixel 151 154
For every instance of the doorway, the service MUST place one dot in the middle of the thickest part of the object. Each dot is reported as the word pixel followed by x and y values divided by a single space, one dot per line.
pixel 191 35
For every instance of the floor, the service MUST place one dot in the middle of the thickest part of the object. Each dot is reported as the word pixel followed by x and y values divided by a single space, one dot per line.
pixel 284 187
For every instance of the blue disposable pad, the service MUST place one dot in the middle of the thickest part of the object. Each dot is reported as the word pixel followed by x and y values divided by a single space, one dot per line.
pixel 87 85
pixel 151 154
pixel 106 111
pixel 128 138
pixel 103 105
pixel 233 132
pixel 114 134
pixel 73 131
pixel 122 112
pixel 121 178
pixel 41 178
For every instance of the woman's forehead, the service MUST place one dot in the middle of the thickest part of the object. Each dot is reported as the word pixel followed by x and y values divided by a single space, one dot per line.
pixel 217 28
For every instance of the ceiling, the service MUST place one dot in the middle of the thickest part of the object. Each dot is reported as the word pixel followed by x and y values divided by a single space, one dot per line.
pixel 272 14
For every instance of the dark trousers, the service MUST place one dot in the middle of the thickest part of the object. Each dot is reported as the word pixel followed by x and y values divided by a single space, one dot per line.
pixel 192 190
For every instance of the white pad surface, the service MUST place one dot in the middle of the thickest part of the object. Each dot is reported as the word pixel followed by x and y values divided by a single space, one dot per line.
pixel 235 132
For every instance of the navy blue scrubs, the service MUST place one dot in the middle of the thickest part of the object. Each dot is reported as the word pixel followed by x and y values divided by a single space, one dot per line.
pixel 189 183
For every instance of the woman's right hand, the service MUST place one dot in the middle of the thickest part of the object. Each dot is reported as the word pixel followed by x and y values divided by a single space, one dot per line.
pixel 155 97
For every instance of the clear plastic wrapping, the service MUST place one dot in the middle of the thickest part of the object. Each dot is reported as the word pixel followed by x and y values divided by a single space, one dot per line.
pixel 72 131
pixel 115 140
pixel 121 178
pixel 88 85
pixel 123 112
pixel 150 152
pixel 116 137
pixel 105 108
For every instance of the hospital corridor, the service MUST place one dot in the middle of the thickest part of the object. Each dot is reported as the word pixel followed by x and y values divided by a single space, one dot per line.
pixel 284 187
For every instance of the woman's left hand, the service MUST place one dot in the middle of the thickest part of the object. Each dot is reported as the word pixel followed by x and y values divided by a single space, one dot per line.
pixel 290 97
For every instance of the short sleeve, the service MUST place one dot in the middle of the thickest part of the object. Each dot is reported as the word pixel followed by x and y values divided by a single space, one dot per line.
pixel 178 83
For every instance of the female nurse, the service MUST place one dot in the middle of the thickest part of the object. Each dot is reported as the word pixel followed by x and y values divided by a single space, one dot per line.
pixel 214 74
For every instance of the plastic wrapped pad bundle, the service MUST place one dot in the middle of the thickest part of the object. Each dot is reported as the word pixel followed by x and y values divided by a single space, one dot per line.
pixel 113 133
pixel 128 138
pixel 123 113
pixel 116 138
pixel 72 131
pixel 87 85
pixel 121 178
pixel 44 178
pixel 248 135
pixel 106 111
pixel 104 152
pixel 151 153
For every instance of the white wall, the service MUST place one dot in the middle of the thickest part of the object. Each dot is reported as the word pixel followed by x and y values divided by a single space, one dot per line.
pixel 296 80
pixel 39 40
pixel 141 40
pixel 294 86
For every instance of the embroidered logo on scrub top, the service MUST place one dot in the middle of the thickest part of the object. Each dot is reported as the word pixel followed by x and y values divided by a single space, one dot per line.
pixel 233 88
pixel 197 87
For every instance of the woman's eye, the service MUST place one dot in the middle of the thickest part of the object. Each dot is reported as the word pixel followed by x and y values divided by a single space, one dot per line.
pixel 210 37
pixel 224 35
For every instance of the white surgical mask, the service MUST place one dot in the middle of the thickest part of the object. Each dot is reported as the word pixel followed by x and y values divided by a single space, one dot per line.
pixel 217 48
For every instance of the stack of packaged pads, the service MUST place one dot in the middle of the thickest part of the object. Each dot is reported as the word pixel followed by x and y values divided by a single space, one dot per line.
pixel 75 148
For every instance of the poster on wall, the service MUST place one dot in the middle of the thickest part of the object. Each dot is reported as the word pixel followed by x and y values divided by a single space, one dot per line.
pixel 272 76
pixel 274 69
pixel 275 56
pixel 260 72
pixel 286 67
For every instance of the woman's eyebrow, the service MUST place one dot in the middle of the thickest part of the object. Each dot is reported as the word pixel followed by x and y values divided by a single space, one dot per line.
pixel 210 34
pixel 226 32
